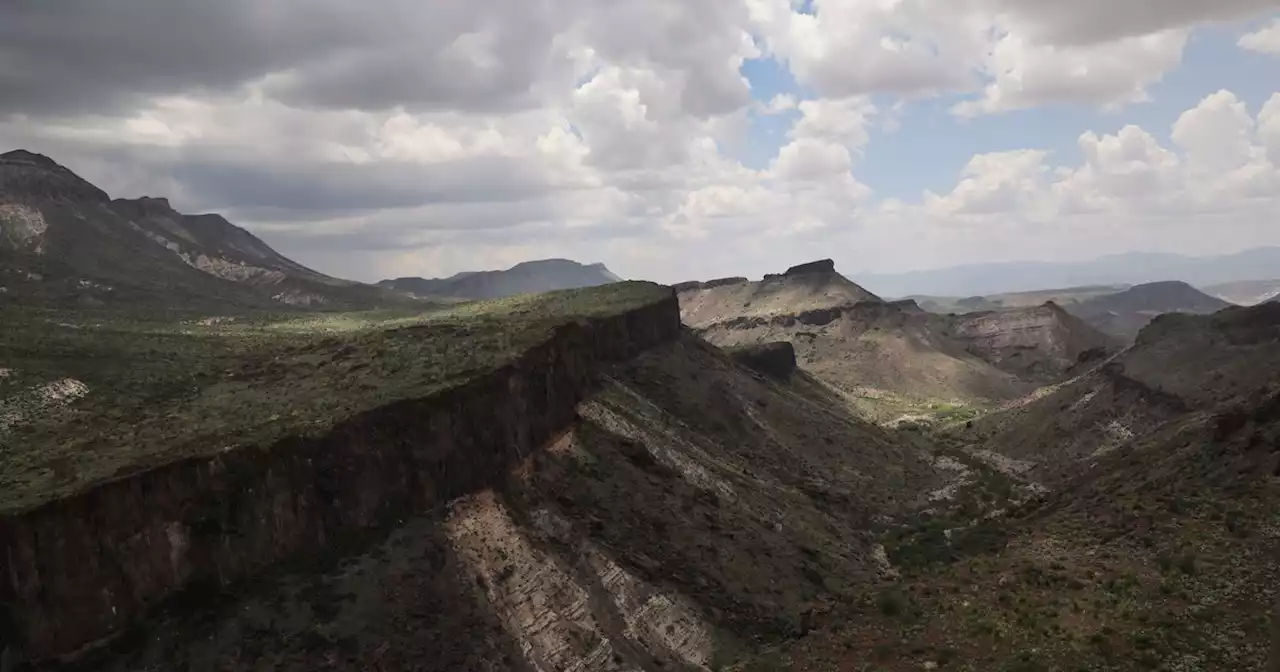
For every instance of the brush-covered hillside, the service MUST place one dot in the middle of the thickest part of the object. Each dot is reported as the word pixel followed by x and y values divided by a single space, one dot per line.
pixel 561 481
pixel 1152 541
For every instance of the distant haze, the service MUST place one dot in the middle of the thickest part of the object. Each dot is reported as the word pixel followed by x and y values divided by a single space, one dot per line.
pixel 1131 268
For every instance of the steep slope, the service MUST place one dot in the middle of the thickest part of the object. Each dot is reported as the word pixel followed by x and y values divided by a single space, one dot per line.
pixel 892 359
pixel 530 277
pixel 1179 365
pixel 1125 313
pixel 1152 544
pixel 1163 556
pixel 1037 343
pixel 1246 293
pixel 63 240
pixel 805 287
pixel 889 361
pixel 621 497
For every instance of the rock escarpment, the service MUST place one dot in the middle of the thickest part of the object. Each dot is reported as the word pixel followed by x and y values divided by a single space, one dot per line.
pixel 776 359
pixel 81 569
pixel 1040 343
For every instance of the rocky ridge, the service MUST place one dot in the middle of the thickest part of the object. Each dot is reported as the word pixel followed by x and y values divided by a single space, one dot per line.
pixel 880 351
pixel 80 569
pixel 64 241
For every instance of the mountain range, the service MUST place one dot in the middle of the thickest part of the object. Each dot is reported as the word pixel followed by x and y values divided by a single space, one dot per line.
pixel 530 277
pixel 65 241
pixel 1121 269
pixel 784 473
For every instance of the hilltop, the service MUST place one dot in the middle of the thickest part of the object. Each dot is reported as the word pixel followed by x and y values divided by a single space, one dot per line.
pixel 1125 313
pixel 892 359
pixel 63 241
pixel 530 277
pixel 811 286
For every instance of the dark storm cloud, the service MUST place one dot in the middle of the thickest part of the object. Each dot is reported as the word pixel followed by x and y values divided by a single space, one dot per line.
pixel 344 187
pixel 98 56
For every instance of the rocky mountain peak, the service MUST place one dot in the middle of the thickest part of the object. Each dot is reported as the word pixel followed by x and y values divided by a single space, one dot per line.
pixel 28 176
pixel 146 206
pixel 820 266
pixel 24 156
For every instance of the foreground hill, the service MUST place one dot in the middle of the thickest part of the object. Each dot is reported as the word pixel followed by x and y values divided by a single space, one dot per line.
pixel 530 277
pixel 63 241
pixel 1151 542
pixel 561 481
pixel 1125 313
pixel 893 359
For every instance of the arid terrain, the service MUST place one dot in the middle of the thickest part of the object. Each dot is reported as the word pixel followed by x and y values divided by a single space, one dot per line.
pixel 892 360
pixel 199 473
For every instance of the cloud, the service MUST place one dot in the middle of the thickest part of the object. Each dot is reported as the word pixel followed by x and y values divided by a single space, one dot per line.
pixel 1128 192
pixel 395 137
pixel 99 56
pixel 1265 40
pixel 1018 54
pixel 1090 22
pixel 1025 74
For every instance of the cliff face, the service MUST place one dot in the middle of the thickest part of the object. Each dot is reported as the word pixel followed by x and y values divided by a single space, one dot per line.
pixel 1044 341
pixel 78 570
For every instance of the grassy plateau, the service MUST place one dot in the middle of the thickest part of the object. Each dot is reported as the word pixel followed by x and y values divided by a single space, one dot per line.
pixel 86 398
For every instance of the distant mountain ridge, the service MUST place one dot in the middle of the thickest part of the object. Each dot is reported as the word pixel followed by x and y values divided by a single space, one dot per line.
pixel 1246 292
pixel 1120 269
pixel 63 240
pixel 1125 313
pixel 530 277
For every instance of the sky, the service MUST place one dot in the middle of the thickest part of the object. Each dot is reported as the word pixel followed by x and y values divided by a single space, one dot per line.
pixel 669 139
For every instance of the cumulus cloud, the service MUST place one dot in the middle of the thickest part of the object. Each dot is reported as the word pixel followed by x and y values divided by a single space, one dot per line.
pixel 1025 74
pixel 1019 54
pixel 1097 21
pixel 1265 40
pixel 394 137
pixel 1128 192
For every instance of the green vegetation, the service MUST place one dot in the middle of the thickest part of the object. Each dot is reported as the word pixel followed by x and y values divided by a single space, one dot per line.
pixel 159 390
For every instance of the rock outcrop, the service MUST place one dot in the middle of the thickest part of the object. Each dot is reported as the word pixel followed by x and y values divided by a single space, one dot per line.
pixel 820 266
pixel 81 569
pixel 1040 343
pixel 776 359
pixel 812 286
pixel 709 284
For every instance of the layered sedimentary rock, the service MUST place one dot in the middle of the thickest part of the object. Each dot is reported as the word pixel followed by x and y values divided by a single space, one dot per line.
pixel 81 569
